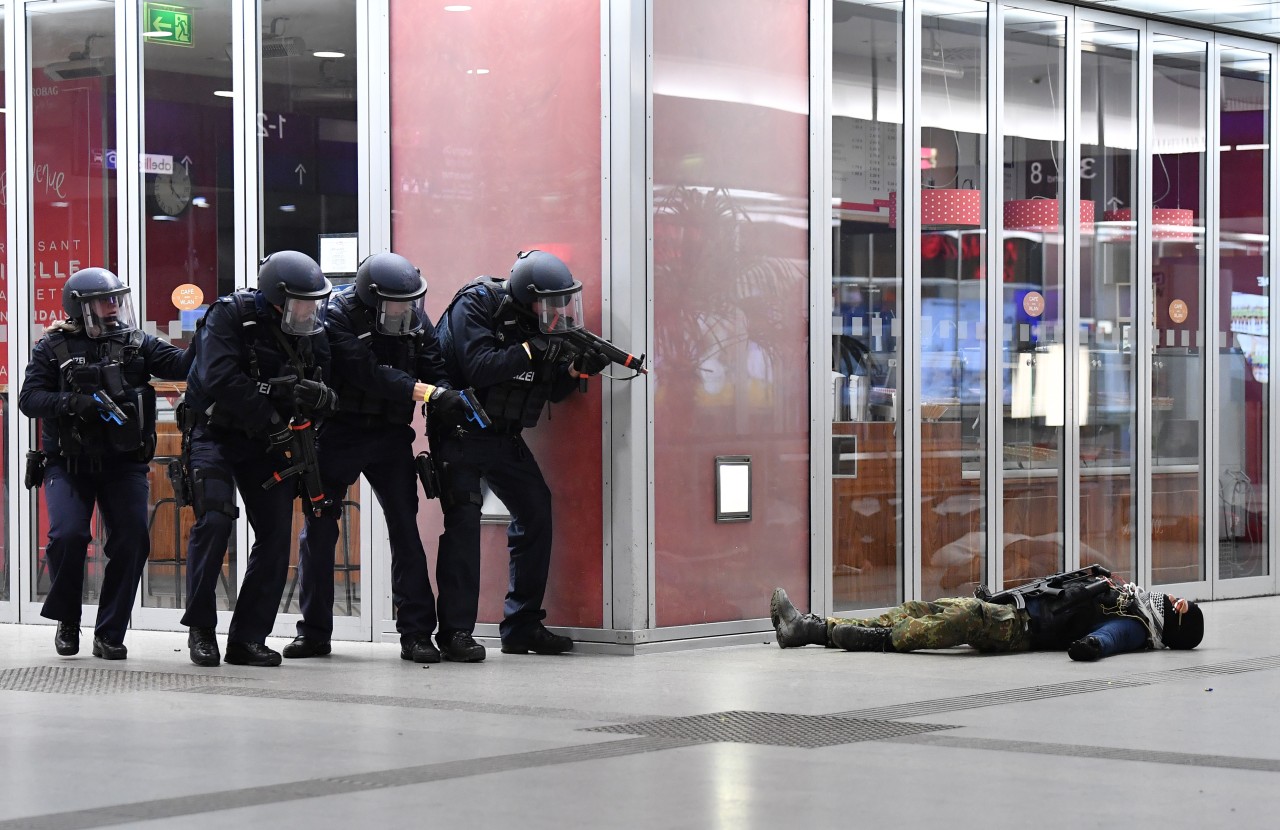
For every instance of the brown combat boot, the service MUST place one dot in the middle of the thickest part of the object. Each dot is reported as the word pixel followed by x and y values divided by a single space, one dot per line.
pixel 795 629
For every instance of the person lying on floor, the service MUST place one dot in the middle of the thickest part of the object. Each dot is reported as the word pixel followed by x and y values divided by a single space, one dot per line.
pixel 1085 612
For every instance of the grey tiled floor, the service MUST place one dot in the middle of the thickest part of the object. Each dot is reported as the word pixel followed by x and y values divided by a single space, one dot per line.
pixel 1161 739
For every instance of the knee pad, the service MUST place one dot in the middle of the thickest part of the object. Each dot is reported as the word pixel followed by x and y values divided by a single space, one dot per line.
pixel 213 491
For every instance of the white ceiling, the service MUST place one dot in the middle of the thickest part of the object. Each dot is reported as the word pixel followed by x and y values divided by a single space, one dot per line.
pixel 1255 18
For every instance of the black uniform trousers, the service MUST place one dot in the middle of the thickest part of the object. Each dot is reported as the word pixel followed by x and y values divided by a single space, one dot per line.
pixel 219 457
pixel 384 453
pixel 120 491
pixel 506 463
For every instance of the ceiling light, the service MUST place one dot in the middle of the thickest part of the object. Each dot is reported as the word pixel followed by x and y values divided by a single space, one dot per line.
pixel 163 218
pixel 477 71
pixel 157 34
pixel 929 66
pixel 224 93
pixel 200 202
pixel 288 208
pixel 329 54
pixel 457 8
pixel 59 204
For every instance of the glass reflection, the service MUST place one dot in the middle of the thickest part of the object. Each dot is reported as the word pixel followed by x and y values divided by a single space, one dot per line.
pixel 307 141
pixel 4 339
pixel 1032 331
pixel 1108 261
pixel 730 288
pixel 495 147
pixel 73 189
pixel 866 293
pixel 953 272
pixel 1178 140
pixel 188 228
pixel 1244 327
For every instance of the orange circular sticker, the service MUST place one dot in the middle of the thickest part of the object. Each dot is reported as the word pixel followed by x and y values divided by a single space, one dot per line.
pixel 1033 303
pixel 1178 311
pixel 187 296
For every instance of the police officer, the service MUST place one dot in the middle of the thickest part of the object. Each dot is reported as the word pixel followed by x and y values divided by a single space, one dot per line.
pixel 385 358
pixel 262 358
pixel 499 336
pixel 89 383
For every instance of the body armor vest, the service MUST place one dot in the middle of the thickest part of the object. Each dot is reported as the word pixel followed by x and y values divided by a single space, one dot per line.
pixel 516 403
pixel 115 368
pixel 396 352
pixel 302 361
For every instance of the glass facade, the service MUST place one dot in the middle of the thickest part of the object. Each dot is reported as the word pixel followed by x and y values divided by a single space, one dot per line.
pixel 1108 140
pixel 515 165
pixel 730 305
pixel 72 207
pixel 955 318
pixel 1044 223
pixel 187 222
pixel 867 298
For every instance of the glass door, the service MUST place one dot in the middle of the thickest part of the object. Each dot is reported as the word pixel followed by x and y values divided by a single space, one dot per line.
pixel 1240 482
pixel 866 301
pixel 954 320
pixel 1177 164
pixel 1033 335
pixel 1108 137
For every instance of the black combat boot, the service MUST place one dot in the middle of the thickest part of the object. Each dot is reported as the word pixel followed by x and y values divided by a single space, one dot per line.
pixel 859 638
pixel 795 629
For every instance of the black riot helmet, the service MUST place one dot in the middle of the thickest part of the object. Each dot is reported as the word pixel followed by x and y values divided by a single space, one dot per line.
pixel 293 282
pixel 395 290
pixel 543 284
pixel 101 301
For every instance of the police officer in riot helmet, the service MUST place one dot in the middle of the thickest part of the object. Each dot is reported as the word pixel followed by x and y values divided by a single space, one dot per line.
pixel 258 383
pixel 89 384
pixel 386 362
pixel 499 337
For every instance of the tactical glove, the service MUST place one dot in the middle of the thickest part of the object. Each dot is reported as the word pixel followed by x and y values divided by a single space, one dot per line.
pixel 82 405
pixel 590 362
pixel 280 437
pixel 448 405
pixel 314 397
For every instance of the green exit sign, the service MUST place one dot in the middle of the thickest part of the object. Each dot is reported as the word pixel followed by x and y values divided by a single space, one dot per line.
pixel 167 24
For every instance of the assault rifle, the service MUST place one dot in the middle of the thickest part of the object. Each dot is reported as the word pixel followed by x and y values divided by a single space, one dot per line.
pixel 1089 581
pixel 581 340
pixel 301 454
pixel 577 341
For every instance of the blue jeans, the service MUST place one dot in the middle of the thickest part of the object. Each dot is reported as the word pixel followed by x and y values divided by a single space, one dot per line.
pixel 1119 635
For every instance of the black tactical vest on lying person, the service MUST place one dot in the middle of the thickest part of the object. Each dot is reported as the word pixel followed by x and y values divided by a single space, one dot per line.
pixel 114 368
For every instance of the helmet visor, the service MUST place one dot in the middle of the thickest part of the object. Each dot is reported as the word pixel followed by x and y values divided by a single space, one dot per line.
pixel 398 317
pixel 108 314
pixel 560 312
pixel 303 316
